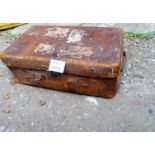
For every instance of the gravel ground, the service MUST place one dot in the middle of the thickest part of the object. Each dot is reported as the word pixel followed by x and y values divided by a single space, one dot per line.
pixel 26 108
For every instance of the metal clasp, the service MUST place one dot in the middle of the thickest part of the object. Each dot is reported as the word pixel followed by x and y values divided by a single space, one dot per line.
pixel 53 74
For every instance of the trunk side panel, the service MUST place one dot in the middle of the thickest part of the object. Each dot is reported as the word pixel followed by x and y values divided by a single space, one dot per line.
pixel 70 83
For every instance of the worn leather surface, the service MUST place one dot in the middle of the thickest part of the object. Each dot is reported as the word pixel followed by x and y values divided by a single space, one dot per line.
pixel 87 51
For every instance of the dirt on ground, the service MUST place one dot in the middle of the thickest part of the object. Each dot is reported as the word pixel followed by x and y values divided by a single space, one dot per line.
pixel 27 108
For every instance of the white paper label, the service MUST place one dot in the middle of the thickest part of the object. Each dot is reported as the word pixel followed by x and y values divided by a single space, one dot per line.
pixel 57 66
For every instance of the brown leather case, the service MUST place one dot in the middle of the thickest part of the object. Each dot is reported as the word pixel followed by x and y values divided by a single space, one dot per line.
pixel 93 58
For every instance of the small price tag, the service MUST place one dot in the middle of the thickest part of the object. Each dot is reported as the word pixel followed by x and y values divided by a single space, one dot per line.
pixel 57 66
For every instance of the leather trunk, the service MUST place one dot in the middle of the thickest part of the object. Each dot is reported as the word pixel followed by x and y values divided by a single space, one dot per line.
pixel 93 58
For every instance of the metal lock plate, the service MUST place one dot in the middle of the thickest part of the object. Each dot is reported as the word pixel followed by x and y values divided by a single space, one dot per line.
pixel 53 74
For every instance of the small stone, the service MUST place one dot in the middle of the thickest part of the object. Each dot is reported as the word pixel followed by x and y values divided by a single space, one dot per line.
pixel 130 66
pixel 122 82
pixel 6 97
pixel 32 124
pixel 137 61
pixel 42 103
pixel 150 111
pixel 85 114
pixel 153 82
pixel 137 41
pixel 140 95
pixel 6 109
pixel 135 44
pixel 92 100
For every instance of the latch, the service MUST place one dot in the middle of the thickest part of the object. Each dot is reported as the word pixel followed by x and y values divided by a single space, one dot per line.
pixel 54 74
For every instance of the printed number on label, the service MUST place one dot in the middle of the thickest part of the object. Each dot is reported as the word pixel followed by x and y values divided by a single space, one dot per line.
pixel 57 66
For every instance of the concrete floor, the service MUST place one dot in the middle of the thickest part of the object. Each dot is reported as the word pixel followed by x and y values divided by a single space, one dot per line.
pixel 26 108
